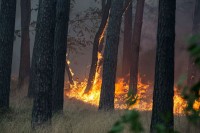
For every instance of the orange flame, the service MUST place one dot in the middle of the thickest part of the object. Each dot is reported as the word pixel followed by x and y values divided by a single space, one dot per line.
pixel 144 102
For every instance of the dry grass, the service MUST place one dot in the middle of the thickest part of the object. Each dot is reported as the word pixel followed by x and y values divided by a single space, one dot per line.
pixel 77 118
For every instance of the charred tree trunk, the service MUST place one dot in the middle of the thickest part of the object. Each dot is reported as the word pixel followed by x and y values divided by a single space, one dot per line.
pixel 135 47
pixel 110 56
pixel 164 71
pixel 193 71
pixel 7 27
pixel 127 41
pixel 60 41
pixel 24 69
pixel 97 41
pixel 70 76
pixel 43 63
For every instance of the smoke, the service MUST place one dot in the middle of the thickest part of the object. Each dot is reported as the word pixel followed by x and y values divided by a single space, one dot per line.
pixel 80 61
pixel 184 19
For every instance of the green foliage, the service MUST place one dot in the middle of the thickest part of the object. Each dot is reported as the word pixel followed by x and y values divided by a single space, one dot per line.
pixel 132 118
pixel 162 128
pixel 192 94
pixel 194 48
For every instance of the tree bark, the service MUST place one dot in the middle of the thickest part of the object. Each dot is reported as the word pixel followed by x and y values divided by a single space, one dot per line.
pixel 24 68
pixel 164 71
pixel 127 41
pixel 103 5
pixel 110 56
pixel 7 27
pixel 135 47
pixel 42 65
pixel 97 41
pixel 60 47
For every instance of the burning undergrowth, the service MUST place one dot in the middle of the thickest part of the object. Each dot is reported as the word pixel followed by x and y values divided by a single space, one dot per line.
pixel 144 100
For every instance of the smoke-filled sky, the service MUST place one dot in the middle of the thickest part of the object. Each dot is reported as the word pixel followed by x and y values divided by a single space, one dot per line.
pixel 80 62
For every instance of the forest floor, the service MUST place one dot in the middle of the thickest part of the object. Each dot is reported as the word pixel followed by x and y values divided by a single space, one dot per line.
pixel 77 117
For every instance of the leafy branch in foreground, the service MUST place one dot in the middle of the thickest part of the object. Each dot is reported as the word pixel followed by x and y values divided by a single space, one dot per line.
pixel 132 118
pixel 192 94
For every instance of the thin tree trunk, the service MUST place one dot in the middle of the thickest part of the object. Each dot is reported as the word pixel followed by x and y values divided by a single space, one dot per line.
pixel 96 44
pixel 24 69
pixel 164 71
pixel 110 56
pixel 7 27
pixel 136 37
pixel 127 41
pixel 42 71
pixel 60 47
pixel 70 76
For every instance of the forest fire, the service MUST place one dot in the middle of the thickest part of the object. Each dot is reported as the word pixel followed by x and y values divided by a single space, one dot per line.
pixel 144 102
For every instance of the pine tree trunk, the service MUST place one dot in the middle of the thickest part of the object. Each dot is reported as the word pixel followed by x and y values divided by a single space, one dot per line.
pixel 164 71
pixel 193 71
pixel 60 46
pixel 97 41
pixel 110 56
pixel 42 69
pixel 127 41
pixel 7 27
pixel 24 69
pixel 135 47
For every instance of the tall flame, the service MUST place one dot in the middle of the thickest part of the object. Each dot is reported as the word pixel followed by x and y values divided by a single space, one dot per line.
pixel 72 73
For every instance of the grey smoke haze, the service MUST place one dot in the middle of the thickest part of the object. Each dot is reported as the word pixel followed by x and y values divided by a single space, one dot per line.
pixel 79 7
pixel 80 62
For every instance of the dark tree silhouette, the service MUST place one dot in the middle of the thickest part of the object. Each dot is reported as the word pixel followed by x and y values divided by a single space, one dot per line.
pixel 97 41
pixel 127 41
pixel 136 36
pixel 24 68
pixel 60 43
pixel 110 56
pixel 7 27
pixel 193 71
pixel 42 63
pixel 164 71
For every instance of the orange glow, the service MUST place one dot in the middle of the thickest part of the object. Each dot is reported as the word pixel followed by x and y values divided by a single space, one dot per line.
pixel 144 102
pixel 196 105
